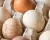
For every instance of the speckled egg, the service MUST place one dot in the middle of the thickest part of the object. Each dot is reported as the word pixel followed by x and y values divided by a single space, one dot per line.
pixel 11 28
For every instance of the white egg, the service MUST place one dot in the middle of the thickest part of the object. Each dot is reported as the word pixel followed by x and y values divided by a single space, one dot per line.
pixel 4 14
pixel 45 35
pixel 33 19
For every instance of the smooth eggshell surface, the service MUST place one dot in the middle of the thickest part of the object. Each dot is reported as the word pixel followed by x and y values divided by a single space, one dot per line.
pixel 24 5
pixel 33 19
pixel 45 35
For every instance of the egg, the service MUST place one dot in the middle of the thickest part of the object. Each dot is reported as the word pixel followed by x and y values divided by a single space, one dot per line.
pixel 4 14
pixel 24 5
pixel 18 38
pixel 11 28
pixel 34 19
pixel 45 35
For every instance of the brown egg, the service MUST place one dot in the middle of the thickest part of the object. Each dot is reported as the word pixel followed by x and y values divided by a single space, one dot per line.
pixel 11 28
pixel 24 5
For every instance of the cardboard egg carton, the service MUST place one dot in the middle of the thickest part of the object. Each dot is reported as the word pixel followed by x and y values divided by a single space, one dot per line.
pixel 8 5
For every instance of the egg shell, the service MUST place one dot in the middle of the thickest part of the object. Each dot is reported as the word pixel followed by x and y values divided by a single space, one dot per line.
pixel 45 35
pixel 11 28
pixel 33 19
pixel 24 5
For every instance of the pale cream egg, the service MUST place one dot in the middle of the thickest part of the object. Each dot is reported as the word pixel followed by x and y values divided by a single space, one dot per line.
pixel 34 19
pixel 45 35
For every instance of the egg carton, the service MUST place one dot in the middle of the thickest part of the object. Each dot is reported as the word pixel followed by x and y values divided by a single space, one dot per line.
pixel 8 5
